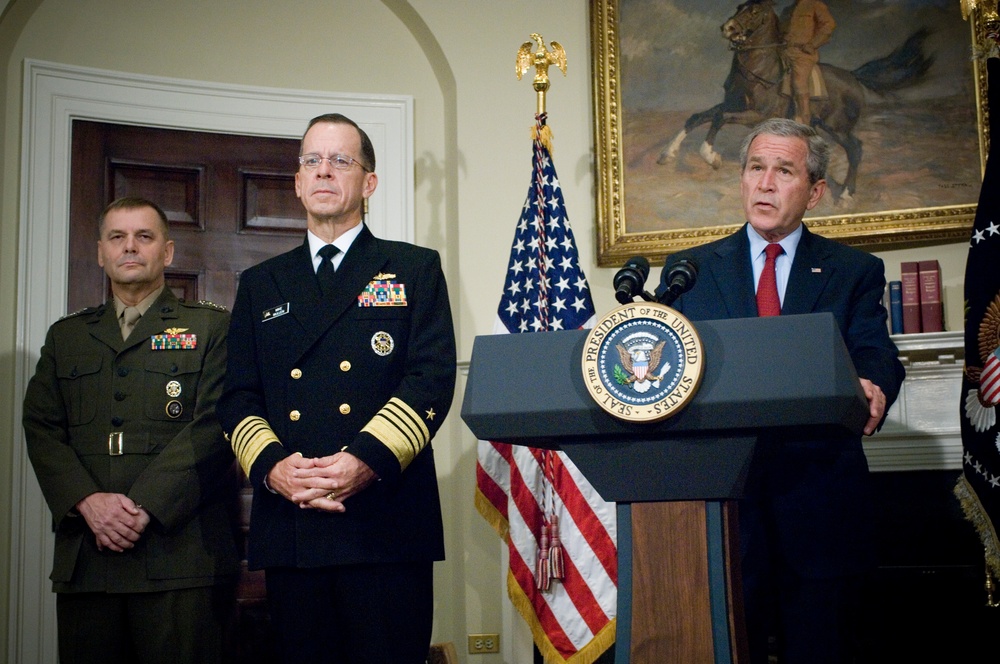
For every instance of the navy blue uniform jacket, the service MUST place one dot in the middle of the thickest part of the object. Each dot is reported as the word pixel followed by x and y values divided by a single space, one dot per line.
pixel 326 373
pixel 814 484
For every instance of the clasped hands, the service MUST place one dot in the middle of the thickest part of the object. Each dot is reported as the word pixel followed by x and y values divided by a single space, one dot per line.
pixel 320 483
pixel 115 519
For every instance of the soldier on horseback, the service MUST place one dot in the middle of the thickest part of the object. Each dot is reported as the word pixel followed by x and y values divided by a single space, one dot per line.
pixel 806 25
pixel 762 56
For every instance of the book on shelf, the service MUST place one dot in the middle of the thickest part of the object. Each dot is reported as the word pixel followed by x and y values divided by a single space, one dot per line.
pixel 896 307
pixel 910 280
pixel 931 310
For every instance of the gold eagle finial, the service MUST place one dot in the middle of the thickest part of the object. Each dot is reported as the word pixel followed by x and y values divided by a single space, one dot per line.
pixel 969 6
pixel 541 60
pixel 987 32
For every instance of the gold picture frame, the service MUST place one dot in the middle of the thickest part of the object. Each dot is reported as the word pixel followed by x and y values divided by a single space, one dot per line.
pixel 620 159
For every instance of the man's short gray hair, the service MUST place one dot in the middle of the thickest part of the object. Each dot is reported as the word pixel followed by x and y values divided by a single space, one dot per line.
pixel 818 158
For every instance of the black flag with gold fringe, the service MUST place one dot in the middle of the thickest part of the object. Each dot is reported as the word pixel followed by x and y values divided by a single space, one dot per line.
pixel 978 488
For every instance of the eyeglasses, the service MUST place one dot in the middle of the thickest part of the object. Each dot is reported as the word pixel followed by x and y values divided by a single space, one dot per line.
pixel 338 162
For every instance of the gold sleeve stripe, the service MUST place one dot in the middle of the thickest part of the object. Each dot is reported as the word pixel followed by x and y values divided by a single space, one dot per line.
pixel 249 438
pixel 414 437
pixel 400 429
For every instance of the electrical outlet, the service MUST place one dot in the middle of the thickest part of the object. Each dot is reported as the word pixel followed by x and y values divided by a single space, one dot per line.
pixel 480 644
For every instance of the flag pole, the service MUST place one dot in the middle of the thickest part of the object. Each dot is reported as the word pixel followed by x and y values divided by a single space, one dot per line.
pixel 562 572
pixel 550 561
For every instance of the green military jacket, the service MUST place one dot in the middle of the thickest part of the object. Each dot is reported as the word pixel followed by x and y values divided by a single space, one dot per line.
pixel 136 417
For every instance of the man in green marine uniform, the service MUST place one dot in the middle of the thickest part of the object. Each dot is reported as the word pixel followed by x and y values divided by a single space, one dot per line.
pixel 120 425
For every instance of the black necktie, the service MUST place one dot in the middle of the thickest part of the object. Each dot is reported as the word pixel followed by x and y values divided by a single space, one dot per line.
pixel 325 273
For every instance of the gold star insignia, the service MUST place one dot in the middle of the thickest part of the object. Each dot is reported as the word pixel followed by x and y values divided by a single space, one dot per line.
pixel 431 414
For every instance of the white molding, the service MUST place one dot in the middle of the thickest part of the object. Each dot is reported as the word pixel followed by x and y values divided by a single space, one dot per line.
pixel 53 96
pixel 922 430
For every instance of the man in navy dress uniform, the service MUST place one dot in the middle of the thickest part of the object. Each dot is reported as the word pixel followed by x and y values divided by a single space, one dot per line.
pixel 341 369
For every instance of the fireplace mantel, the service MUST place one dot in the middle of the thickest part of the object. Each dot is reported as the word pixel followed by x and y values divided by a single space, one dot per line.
pixel 922 430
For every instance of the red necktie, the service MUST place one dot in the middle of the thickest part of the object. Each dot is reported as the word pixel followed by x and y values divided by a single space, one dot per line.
pixel 768 303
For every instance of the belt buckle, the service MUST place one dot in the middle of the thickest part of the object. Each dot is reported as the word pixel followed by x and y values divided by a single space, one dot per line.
pixel 115 443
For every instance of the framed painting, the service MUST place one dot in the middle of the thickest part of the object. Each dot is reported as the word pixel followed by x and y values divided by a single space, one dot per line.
pixel 678 83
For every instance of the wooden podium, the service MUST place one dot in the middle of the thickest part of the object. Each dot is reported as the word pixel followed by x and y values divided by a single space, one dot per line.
pixel 675 482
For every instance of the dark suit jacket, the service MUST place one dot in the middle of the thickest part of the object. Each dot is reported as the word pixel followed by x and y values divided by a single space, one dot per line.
pixel 314 376
pixel 90 383
pixel 812 484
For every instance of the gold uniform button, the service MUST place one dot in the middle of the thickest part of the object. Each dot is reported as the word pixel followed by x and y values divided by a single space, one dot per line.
pixel 345 409
pixel 294 416
pixel 296 373
pixel 345 366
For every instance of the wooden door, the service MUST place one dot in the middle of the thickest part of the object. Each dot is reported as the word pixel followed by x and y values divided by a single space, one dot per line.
pixel 230 202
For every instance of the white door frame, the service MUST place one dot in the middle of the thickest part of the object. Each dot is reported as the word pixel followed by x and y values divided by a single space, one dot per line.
pixel 53 96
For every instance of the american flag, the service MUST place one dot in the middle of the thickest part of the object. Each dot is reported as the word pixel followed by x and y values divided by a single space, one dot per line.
pixel 978 488
pixel 989 381
pixel 561 534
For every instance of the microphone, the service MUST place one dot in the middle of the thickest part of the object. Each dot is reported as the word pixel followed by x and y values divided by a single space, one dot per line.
pixel 630 280
pixel 679 279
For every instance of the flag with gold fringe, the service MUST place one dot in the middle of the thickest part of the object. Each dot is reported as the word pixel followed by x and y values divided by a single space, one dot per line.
pixel 561 535
pixel 978 488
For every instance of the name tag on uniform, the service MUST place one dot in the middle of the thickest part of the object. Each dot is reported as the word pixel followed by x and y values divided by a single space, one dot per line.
pixel 280 310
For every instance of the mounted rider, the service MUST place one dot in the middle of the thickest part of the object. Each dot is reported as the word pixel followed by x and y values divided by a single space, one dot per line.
pixel 805 25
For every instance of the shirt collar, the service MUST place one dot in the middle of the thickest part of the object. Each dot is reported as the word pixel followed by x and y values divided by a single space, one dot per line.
pixel 343 243
pixel 789 243
pixel 143 306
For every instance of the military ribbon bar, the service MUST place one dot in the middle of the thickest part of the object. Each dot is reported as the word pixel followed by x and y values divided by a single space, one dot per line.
pixel 174 341
pixel 380 293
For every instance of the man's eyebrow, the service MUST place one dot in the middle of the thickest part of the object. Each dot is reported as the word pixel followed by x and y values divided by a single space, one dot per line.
pixel 756 159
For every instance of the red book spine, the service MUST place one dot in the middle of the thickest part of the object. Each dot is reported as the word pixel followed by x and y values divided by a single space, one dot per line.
pixel 931 311
pixel 910 276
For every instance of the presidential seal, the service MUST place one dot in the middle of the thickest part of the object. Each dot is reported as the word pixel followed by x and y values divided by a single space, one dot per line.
pixel 642 362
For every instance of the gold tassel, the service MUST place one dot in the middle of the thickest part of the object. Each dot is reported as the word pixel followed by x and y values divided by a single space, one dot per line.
pixel 545 139
pixel 543 573
pixel 990 587
pixel 975 513
pixel 556 560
